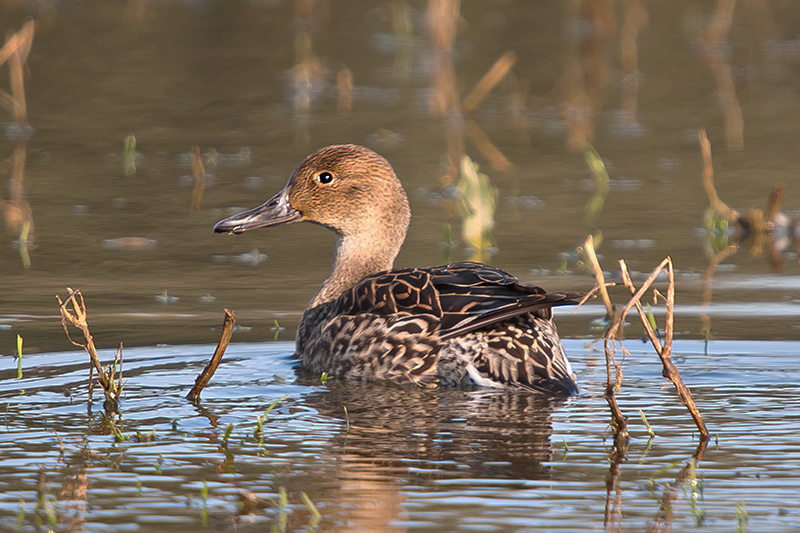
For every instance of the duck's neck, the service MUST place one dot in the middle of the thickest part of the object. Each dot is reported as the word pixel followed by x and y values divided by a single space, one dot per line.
pixel 356 257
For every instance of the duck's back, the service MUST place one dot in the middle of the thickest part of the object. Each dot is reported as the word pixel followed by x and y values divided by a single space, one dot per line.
pixel 462 323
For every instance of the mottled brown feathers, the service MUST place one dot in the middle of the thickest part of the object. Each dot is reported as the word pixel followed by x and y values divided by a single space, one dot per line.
pixel 455 324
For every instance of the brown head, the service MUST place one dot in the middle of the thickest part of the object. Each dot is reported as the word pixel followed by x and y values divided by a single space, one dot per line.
pixel 349 189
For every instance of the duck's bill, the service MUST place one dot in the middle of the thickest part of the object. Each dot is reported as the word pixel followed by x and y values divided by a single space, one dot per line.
pixel 274 212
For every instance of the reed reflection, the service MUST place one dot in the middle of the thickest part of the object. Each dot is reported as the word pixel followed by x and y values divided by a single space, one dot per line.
pixel 16 210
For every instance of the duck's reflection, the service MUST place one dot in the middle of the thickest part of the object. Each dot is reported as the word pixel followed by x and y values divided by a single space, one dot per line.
pixel 475 433
pixel 389 434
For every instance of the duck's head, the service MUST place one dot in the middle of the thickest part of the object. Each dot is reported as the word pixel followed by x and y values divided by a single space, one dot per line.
pixel 347 188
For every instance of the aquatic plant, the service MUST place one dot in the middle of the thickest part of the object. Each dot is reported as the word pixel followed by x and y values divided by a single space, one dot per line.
pixel 316 516
pixel 600 175
pixel 105 375
pixel 19 357
pixel 664 350
pixel 477 200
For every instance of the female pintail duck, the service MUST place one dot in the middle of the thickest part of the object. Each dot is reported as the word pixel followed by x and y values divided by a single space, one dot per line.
pixel 462 323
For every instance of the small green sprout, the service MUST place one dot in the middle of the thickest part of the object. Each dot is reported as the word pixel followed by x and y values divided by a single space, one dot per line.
pixel 316 516
pixel 741 517
pixel 19 357
pixel 647 424
pixel 204 496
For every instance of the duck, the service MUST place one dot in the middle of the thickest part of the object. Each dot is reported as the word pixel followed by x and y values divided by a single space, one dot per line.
pixel 461 324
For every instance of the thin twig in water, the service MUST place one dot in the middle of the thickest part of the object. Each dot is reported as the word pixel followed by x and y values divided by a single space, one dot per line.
pixel 205 376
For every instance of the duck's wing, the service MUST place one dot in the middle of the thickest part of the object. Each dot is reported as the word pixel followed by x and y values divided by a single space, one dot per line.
pixel 410 313
pixel 473 296
pixel 463 296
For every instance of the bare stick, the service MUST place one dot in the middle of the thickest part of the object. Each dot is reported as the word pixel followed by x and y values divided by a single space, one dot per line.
pixel 205 376
pixel 664 351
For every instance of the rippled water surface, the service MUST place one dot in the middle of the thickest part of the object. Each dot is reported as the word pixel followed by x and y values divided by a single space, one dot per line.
pixel 376 458
pixel 101 196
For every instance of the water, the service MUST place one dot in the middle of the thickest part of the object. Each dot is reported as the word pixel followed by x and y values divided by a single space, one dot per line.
pixel 117 222
pixel 236 79
pixel 401 459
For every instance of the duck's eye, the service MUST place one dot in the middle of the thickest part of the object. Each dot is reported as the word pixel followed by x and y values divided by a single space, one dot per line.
pixel 324 177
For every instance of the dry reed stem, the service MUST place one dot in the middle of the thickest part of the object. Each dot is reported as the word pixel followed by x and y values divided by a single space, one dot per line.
pixel 443 16
pixel 720 67
pixel 18 43
pixel 591 293
pixel 17 74
pixel 618 420
pixel 708 180
pixel 199 173
pixel 207 373
pixel 635 19
pixel 489 81
pixel 487 148
pixel 773 209
pixel 78 318
pixel 670 371
pixel 588 247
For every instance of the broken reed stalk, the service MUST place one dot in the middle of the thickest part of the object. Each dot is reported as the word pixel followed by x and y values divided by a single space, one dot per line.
pixel 619 422
pixel 18 43
pixel 205 376
pixel 105 376
pixel 495 74
pixel 664 351
pixel 588 248
pixel 708 180
pixel 489 150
